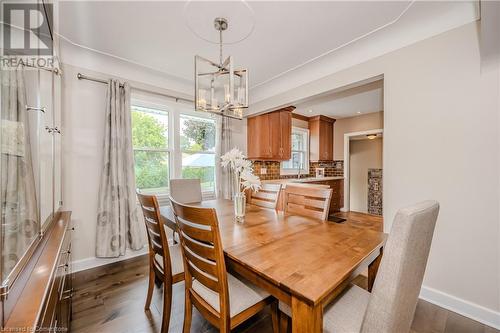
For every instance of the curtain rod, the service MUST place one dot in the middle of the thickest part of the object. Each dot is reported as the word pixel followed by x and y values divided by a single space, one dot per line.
pixel 81 76
pixel 54 70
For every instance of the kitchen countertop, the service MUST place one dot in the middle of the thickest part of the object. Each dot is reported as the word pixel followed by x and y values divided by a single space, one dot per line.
pixel 300 181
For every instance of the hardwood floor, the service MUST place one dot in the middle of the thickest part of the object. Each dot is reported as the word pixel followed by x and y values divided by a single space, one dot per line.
pixel 111 299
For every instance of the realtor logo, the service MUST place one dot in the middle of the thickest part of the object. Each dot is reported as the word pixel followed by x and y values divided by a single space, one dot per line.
pixel 27 29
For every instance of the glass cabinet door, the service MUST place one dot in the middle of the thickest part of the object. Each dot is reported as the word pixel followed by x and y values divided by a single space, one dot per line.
pixel 46 147
pixel 57 144
pixel 18 193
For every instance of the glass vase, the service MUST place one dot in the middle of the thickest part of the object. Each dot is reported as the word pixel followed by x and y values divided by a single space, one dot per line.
pixel 239 206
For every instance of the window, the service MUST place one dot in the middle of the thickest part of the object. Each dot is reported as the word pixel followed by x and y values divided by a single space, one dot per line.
pixel 171 141
pixel 197 141
pixel 151 149
pixel 300 153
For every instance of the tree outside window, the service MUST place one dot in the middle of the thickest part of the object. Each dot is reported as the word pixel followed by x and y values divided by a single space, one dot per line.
pixel 197 140
pixel 151 155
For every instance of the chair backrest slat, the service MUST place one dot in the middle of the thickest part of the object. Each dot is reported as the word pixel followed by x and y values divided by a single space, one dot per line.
pixel 202 251
pixel 196 233
pixel 157 238
pixel 308 201
pixel 395 293
pixel 267 196
pixel 207 266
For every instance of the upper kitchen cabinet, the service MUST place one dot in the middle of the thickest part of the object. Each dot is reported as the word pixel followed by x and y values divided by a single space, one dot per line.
pixel 269 135
pixel 321 138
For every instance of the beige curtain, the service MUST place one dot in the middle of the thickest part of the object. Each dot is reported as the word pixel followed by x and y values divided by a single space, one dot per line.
pixel 224 179
pixel 118 225
pixel 19 213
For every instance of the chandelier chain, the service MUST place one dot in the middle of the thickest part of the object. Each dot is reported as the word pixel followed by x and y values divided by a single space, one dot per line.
pixel 220 48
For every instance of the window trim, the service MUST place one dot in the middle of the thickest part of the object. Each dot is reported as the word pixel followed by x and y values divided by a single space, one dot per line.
pixel 295 171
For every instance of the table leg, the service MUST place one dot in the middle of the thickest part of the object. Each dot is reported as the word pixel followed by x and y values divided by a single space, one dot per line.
pixel 373 269
pixel 306 318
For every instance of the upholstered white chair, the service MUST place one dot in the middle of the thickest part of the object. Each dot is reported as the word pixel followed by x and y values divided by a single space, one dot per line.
pixel 391 305
pixel 185 190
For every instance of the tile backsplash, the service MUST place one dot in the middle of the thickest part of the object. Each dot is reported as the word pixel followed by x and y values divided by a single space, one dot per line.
pixel 332 169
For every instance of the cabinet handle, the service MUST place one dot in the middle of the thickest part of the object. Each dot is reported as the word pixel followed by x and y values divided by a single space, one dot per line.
pixel 70 291
pixel 33 108
pixel 49 129
pixel 70 296
pixel 56 130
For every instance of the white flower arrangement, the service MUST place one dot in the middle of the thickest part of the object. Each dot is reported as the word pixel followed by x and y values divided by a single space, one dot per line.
pixel 243 170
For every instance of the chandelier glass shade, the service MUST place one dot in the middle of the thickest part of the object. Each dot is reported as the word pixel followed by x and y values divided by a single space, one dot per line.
pixel 219 88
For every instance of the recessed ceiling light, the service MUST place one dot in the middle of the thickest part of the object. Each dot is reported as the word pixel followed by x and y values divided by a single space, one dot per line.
pixel 310 111
pixel 371 136
pixel 359 112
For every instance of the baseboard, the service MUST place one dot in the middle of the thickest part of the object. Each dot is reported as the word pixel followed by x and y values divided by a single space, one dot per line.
pixel 88 263
pixel 462 307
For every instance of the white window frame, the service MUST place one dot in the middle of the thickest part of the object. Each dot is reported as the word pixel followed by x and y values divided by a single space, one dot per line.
pixel 174 110
pixel 305 169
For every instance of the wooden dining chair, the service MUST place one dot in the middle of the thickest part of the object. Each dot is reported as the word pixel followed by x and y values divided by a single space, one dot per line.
pixel 267 196
pixel 390 306
pixel 165 262
pixel 223 299
pixel 308 201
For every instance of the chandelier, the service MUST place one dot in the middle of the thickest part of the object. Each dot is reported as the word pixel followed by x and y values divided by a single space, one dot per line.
pixel 219 88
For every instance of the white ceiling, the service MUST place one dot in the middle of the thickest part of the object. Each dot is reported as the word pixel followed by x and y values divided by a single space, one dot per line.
pixel 351 102
pixel 283 34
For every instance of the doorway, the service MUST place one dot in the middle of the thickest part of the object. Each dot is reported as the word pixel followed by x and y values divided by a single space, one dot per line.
pixel 363 169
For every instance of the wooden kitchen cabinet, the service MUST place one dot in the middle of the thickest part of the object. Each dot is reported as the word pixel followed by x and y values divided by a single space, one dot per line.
pixel 337 200
pixel 269 136
pixel 321 138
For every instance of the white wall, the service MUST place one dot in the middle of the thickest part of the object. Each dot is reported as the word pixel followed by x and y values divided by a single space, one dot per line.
pixel 363 155
pixel 83 132
pixel 365 122
pixel 441 133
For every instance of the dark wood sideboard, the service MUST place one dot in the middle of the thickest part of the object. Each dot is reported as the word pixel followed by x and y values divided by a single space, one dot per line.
pixel 40 299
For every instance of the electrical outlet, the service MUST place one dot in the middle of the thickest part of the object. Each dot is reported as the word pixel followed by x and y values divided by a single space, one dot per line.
pixel 263 171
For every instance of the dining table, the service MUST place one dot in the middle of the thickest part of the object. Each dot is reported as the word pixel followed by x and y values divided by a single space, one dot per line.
pixel 303 262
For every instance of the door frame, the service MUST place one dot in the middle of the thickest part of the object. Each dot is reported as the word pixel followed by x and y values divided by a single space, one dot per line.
pixel 347 140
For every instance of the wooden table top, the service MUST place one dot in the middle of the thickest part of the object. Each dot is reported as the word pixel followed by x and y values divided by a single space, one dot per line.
pixel 306 257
